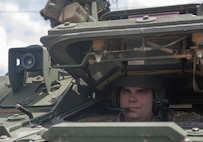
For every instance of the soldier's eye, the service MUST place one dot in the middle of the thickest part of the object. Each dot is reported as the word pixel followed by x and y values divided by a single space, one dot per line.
pixel 124 91
pixel 145 91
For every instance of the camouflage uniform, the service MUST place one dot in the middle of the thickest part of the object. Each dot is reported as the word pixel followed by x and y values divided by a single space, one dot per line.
pixel 155 83
pixel 181 116
pixel 175 116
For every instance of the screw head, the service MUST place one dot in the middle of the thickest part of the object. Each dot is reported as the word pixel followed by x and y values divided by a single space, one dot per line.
pixel 16 117
pixel 4 137
pixel 187 140
pixel 66 23
pixel 195 129
pixel 145 17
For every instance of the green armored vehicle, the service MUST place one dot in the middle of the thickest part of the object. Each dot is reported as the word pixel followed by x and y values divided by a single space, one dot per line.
pixel 65 90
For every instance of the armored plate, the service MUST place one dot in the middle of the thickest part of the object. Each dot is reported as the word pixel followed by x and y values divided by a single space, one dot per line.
pixel 62 91
pixel 108 132
pixel 99 52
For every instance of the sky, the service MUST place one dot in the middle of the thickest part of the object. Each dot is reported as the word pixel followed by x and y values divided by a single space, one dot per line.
pixel 22 25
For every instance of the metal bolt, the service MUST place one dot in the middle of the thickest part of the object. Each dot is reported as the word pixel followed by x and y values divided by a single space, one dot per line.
pixel 146 17
pixel 37 127
pixel 16 115
pixel 195 129
pixel 8 84
pixel 38 77
pixel 53 98
pixel 52 4
pixel 187 140
pixel 4 137
pixel 66 23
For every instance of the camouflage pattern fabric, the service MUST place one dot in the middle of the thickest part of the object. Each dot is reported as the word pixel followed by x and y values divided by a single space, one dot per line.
pixel 120 118
pixel 175 116
pixel 180 116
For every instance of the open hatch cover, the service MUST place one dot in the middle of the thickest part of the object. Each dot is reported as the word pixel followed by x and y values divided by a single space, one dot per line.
pixel 99 52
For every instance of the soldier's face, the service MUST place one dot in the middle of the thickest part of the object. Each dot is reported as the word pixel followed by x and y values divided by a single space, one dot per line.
pixel 139 101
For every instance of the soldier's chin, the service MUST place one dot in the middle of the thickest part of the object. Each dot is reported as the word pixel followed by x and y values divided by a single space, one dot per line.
pixel 131 116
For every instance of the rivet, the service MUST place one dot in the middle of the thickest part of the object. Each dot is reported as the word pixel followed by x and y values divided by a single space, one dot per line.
pixel 195 129
pixel 66 23
pixel 145 17
pixel 187 140
pixel 4 137
pixel 16 115
pixel 52 4
pixel 37 127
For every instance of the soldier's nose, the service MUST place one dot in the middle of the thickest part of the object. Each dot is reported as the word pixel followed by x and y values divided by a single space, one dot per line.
pixel 132 98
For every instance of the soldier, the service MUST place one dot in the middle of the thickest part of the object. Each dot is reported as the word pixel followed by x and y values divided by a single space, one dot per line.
pixel 141 98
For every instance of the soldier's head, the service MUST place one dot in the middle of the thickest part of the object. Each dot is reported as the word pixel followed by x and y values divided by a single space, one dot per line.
pixel 139 96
